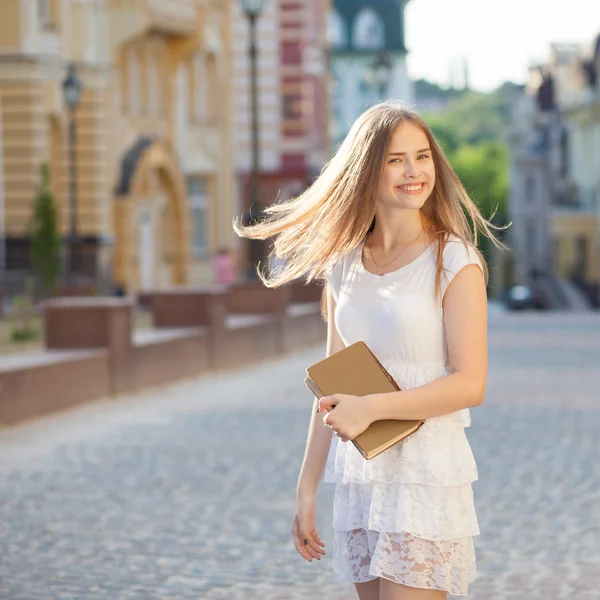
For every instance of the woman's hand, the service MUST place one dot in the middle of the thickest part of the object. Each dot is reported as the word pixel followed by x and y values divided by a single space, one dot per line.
pixel 307 540
pixel 349 415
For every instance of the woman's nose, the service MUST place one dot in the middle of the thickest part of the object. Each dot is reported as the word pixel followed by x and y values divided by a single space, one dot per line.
pixel 409 169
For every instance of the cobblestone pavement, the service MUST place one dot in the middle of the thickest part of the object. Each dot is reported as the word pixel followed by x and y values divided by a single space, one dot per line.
pixel 187 491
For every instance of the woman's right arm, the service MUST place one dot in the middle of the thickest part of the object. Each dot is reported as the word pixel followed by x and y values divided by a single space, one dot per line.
pixel 315 458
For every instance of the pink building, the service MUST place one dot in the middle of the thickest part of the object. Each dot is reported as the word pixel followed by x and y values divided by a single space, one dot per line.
pixel 293 98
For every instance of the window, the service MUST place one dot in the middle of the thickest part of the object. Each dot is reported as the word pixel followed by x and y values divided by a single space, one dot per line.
pixel 44 13
pixel 200 88
pixel 212 89
pixel 133 81
pixel 530 190
pixel 368 32
pixel 198 203
pixel 153 87
pixel 530 241
pixel 581 254
pixel 336 30
pixel 292 107
pixel 564 153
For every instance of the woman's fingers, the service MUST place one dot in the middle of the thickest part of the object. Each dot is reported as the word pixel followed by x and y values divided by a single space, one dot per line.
pixel 299 543
pixel 315 544
pixel 308 545
pixel 318 539
pixel 311 547
pixel 304 553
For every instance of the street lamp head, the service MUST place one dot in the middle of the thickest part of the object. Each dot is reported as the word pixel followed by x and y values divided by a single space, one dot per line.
pixel 71 88
pixel 381 66
pixel 253 8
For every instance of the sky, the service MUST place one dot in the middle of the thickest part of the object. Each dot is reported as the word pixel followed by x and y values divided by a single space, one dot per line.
pixel 499 38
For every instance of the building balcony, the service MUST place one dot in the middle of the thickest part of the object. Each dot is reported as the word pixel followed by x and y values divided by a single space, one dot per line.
pixel 175 17
pixel 129 19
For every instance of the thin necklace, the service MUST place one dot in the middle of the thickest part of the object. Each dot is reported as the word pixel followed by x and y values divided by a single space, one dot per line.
pixel 397 257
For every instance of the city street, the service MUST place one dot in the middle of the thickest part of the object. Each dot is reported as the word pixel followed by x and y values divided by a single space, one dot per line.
pixel 187 492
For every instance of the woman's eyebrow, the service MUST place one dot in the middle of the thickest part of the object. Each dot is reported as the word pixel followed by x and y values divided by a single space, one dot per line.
pixel 403 153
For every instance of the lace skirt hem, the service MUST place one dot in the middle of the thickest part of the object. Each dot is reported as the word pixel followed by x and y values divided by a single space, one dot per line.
pixel 362 555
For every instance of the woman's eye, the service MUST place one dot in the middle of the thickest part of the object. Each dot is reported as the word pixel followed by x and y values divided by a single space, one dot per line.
pixel 423 155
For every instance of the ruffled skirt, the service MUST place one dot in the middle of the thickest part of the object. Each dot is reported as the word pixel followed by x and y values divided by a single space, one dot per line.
pixel 362 555
pixel 408 514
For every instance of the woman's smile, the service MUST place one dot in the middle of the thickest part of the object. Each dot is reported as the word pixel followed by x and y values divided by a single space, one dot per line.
pixel 413 188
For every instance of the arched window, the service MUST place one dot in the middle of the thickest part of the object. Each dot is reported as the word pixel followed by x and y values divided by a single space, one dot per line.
pixel 200 87
pixel 154 104
pixel 368 32
pixel 134 81
pixel 336 30
pixel 212 78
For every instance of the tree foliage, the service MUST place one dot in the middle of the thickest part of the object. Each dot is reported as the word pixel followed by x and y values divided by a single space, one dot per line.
pixel 44 235
pixel 471 131
pixel 474 117
pixel 482 169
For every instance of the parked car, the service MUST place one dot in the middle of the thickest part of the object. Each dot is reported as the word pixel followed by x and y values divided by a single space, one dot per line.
pixel 522 297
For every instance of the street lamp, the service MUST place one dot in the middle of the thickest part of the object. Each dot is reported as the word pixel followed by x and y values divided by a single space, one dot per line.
pixel 381 69
pixel 253 9
pixel 72 95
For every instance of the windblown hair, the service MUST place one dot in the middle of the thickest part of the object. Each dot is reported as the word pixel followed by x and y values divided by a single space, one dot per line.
pixel 333 215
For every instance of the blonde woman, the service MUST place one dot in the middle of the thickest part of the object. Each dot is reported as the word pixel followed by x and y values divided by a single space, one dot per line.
pixel 385 224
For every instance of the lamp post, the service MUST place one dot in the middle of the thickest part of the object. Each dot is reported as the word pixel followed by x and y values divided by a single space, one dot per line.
pixel 253 9
pixel 72 95
pixel 381 69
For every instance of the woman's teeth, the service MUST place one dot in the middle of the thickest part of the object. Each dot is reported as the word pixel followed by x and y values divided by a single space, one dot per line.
pixel 411 188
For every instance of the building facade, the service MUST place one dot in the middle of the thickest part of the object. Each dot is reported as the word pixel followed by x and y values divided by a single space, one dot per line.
pixel 293 111
pixel 363 35
pixel 155 190
pixel 555 157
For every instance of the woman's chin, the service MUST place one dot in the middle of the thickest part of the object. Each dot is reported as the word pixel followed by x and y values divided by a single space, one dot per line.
pixel 411 202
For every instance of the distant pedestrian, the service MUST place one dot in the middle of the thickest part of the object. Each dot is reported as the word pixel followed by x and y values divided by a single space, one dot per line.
pixel 387 225
pixel 223 266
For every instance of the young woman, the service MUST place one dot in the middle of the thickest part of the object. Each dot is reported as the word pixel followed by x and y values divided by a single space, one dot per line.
pixel 385 224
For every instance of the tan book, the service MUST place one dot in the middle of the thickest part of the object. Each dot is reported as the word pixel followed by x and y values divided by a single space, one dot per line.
pixel 355 370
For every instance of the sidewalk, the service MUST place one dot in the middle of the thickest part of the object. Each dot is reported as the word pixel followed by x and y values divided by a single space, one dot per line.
pixel 187 491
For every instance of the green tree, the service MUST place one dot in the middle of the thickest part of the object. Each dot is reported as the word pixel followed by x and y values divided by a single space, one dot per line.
pixel 483 169
pixel 444 133
pixel 44 236
pixel 474 117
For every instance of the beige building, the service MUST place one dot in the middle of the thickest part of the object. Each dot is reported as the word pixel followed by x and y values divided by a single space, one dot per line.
pixel 154 162
pixel 555 186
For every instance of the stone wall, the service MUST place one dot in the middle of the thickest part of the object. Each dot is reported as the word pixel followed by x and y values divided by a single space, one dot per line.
pixel 92 351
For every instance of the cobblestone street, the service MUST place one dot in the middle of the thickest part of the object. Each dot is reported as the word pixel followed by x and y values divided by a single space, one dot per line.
pixel 188 491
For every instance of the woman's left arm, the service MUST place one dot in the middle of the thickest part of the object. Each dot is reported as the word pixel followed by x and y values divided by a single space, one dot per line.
pixel 465 323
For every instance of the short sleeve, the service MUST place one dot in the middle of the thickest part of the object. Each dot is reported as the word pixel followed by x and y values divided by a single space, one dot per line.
pixel 334 279
pixel 457 255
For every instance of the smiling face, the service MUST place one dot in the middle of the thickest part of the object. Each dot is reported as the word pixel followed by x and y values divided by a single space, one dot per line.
pixel 409 174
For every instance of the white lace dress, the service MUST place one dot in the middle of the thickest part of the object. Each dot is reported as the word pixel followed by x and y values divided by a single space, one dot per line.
pixel 408 514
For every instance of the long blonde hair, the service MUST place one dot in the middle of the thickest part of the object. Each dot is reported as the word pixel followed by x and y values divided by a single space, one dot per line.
pixel 333 215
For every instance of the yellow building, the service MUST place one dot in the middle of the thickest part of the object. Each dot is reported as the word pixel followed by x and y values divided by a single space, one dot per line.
pixel 154 167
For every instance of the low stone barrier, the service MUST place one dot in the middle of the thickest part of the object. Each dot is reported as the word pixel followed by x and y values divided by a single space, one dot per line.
pixel 40 383
pixel 92 351
pixel 160 357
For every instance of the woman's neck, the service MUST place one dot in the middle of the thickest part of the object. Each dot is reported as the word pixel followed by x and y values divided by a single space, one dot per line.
pixel 390 234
